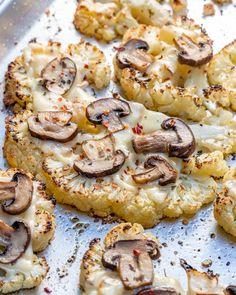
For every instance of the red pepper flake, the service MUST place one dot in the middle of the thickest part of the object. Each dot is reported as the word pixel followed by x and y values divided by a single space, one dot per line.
pixel 86 66
pixel 64 108
pixel 60 99
pixel 137 129
pixel 97 186
pixel 114 185
pixel 105 123
pixel 81 157
pixel 136 252
pixel 47 290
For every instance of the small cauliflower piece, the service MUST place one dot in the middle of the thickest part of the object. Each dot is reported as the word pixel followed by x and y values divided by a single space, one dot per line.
pixel 202 282
pixel 222 71
pixel 29 270
pixel 179 6
pixel 24 82
pixel 225 204
pixel 208 164
pixel 96 279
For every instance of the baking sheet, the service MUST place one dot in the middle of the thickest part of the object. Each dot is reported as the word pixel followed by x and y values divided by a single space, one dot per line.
pixel 200 239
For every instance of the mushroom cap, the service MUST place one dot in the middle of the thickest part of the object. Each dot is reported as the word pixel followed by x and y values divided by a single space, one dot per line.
pixel 100 167
pixel 112 255
pixel 107 111
pixel 132 259
pixel 186 145
pixel 193 54
pixel 157 291
pixel 134 54
pixel 15 239
pixel 230 290
pixel 53 126
pixel 23 191
pixel 59 75
pixel 157 169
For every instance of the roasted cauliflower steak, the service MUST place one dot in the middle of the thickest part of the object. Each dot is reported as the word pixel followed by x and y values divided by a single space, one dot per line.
pixel 24 270
pixel 225 203
pixel 166 69
pixel 96 277
pixel 24 79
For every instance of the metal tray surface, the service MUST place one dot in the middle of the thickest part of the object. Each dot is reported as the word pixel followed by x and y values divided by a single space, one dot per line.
pixel 200 239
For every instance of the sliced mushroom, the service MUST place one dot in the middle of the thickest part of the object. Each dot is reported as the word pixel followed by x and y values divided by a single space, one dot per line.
pixel 53 126
pixel 230 290
pixel 108 111
pixel 133 260
pixel 59 75
pixel 100 168
pixel 103 148
pixel 175 138
pixel 134 54
pixel 14 240
pixel 191 53
pixel 157 168
pixel 186 141
pixel 101 158
pixel 17 194
pixel 157 291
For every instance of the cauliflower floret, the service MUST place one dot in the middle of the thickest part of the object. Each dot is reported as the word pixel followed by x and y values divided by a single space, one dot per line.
pixel 222 71
pixel 211 164
pixel 105 20
pixel 29 270
pixel 23 81
pixel 225 204
pixel 169 86
pixel 96 279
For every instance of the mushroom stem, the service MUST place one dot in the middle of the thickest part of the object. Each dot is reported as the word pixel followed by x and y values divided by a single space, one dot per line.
pixel 7 191
pixel 137 272
pixel 157 142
